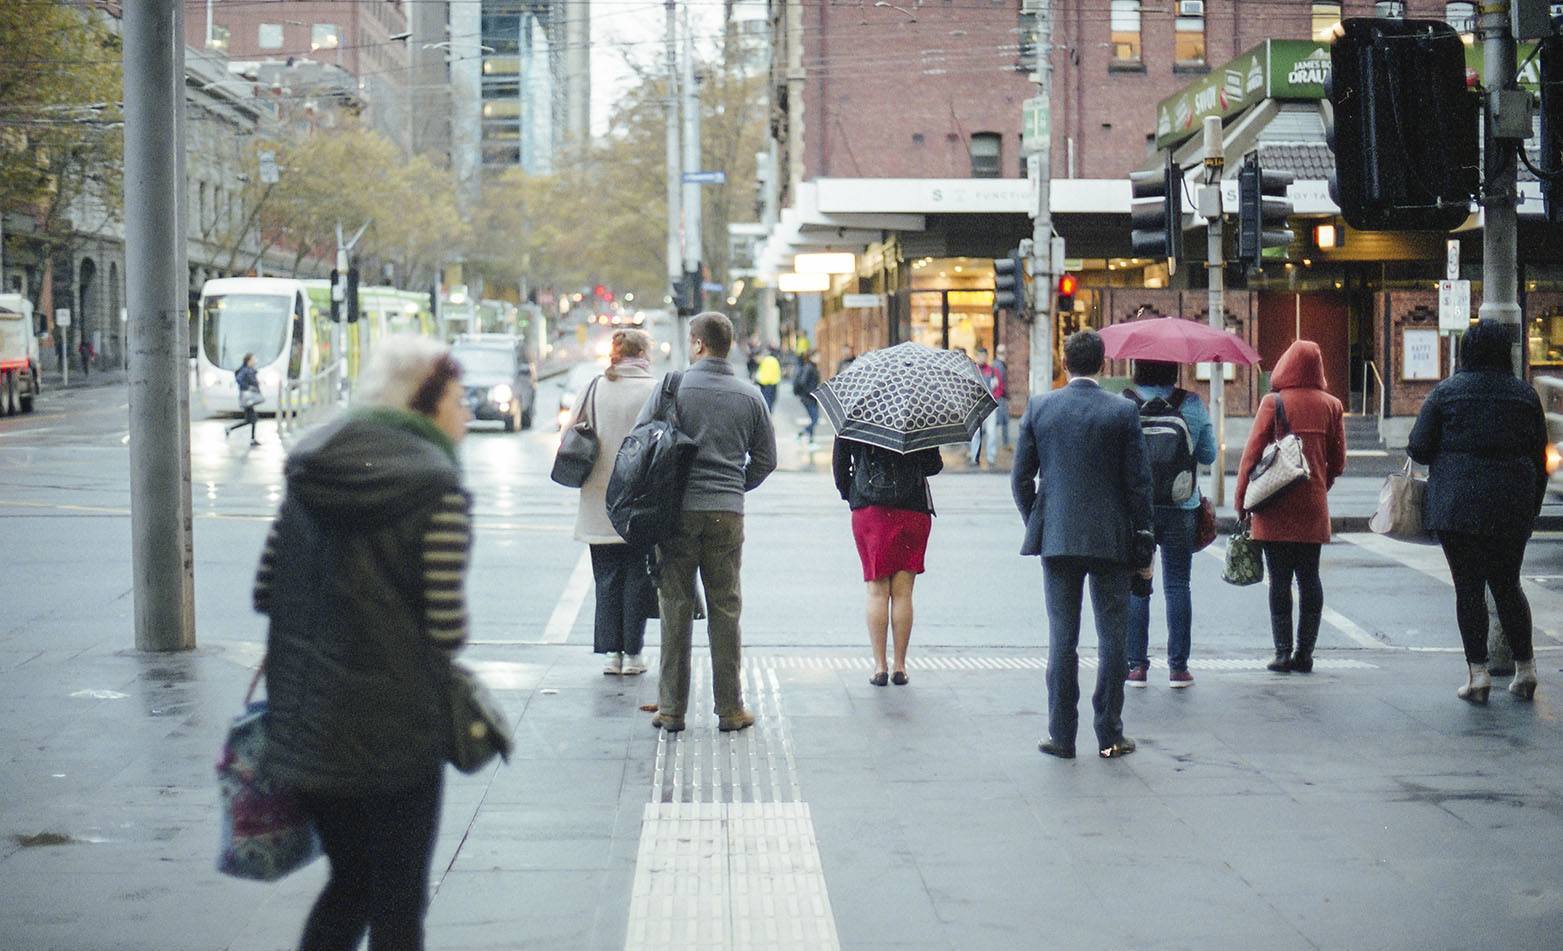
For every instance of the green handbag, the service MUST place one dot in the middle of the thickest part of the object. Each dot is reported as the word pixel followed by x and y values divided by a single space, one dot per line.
pixel 1245 563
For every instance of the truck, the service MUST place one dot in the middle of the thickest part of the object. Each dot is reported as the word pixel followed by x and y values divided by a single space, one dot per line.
pixel 19 378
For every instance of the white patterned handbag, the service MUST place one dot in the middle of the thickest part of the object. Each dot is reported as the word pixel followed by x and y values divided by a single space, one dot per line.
pixel 1281 466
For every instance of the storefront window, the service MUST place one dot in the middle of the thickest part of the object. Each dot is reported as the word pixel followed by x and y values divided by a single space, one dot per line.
pixel 951 303
pixel 1545 339
pixel 1125 20
pixel 985 154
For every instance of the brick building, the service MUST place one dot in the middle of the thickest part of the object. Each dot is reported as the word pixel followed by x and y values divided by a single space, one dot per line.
pixel 897 128
pixel 366 41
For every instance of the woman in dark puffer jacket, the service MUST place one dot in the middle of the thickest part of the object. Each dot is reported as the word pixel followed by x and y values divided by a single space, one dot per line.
pixel 1483 434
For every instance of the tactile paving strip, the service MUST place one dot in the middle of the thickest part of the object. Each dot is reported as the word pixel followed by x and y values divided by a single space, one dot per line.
pixel 728 857
pixel 797 662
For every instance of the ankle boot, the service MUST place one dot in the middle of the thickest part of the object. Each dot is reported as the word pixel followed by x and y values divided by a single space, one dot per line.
pixel 1281 634
pixel 1524 685
pixel 1307 636
pixel 1477 686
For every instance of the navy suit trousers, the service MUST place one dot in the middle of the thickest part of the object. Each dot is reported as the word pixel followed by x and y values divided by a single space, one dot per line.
pixel 1064 584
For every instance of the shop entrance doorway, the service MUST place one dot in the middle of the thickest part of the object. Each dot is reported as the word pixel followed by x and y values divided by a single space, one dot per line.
pixel 1320 316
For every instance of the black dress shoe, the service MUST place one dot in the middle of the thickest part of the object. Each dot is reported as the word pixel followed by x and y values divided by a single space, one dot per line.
pixel 1056 749
pixel 1122 746
pixel 880 679
pixel 899 678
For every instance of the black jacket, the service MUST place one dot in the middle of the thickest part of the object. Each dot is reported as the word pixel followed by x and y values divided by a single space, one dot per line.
pixel 247 378
pixel 357 695
pixel 847 456
pixel 806 380
pixel 1484 436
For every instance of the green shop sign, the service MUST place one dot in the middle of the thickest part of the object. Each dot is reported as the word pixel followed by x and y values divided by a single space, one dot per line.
pixel 1275 69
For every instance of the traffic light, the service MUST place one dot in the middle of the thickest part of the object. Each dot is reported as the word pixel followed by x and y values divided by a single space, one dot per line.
pixel 1067 285
pixel 1405 135
pixel 1009 291
pixel 1156 213
pixel 1262 211
pixel 1551 142
pixel 686 294
pixel 352 292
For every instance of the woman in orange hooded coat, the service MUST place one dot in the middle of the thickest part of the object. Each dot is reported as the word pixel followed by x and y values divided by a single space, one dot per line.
pixel 1294 525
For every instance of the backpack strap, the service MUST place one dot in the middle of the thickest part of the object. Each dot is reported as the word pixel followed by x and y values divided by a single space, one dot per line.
pixel 667 403
pixel 1280 416
pixel 1132 394
pixel 1176 399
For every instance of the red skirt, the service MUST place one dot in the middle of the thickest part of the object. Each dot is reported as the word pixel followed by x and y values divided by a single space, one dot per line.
pixel 890 540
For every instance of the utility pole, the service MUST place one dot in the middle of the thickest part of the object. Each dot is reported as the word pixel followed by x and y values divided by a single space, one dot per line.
pixel 158 371
pixel 1500 225
pixel 1215 269
pixel 1044 281
pixel 675 249
pixel 182 327
pixel 691 93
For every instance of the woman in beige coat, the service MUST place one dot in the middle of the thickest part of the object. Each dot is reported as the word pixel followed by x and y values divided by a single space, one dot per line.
pixel 624 589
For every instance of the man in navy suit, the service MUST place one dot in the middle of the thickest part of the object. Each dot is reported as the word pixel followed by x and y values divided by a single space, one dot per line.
pixel 1083 486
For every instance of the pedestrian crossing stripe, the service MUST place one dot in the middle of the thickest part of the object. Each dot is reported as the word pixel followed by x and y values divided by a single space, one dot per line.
pixel 957 664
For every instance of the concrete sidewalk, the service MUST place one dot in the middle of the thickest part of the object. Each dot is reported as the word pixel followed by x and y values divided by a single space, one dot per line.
pixel 1360 807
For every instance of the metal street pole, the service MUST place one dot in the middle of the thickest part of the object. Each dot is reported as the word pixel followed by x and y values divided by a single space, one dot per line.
pixel 157 367
pixel 691 92
pixel 1044 281
pixel 675 250
pixel 1500 225
pixel 182 327
pixel 1210 207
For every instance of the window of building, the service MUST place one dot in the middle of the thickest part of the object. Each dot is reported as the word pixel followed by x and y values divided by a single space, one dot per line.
pixel 1188 43
pixel 219 39
pixel 1326 17
pixel 1461 14
pixel 271 36
pixel 986 153
pixel 325 36
pixel 1125 22
pixel 1390 9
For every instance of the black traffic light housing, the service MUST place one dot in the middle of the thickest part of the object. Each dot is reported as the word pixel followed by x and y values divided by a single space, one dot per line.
pixel 1405 134
pixel 686 294
pixel 1262 211
pixel 1067 285
pixel 352 292
pixel 1551 141
pixel 1156 212
pixel 1009 283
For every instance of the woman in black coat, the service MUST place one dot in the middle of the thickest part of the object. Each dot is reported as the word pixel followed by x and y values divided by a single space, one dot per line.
pixel 1483 434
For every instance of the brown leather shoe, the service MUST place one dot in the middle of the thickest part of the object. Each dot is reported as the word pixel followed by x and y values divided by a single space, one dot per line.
pixel 742 720
pixel 672 724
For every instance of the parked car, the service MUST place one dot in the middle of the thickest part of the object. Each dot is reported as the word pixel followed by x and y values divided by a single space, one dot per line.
pixel 501 384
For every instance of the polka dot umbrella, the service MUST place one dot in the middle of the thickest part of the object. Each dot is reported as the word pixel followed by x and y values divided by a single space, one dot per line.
pixel 908 397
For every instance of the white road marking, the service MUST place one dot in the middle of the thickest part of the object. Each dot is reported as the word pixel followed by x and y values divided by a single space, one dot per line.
pixel 28 432
pixel 560 623
pixel 1332 617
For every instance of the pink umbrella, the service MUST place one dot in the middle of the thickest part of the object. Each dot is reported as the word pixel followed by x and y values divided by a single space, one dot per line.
pixel 1175 340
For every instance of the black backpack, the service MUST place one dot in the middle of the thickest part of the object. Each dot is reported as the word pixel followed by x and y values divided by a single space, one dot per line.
pixel 646 490
pixel 882 477
pixel 1169 446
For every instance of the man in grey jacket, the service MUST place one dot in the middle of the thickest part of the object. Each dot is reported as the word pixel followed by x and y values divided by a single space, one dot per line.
pixel 727 419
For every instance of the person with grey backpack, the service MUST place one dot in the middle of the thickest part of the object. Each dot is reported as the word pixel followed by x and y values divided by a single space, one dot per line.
pixel 1178 439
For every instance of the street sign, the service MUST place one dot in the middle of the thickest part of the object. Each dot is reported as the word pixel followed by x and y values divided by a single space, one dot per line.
pixel 268 168
pixel 62 317
pixel 1034 127
pixel 1452 259
pixel 713 287
pixel 705 178
pixel 1454 306
pixel 862 300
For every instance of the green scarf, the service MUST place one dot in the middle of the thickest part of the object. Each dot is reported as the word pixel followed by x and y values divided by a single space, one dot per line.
pixel 408 421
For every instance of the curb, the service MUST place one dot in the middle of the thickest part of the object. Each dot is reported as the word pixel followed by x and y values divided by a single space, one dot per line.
pixel 1356 524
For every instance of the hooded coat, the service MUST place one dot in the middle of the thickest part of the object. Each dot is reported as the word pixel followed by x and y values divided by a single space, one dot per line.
pixel 1483 434
pixel 357 694
pixel 1301 513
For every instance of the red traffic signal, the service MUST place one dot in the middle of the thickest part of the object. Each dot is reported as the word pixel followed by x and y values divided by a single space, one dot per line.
pixel 1067 285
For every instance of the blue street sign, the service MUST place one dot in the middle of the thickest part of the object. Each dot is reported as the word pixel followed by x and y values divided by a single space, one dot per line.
pixel 711 287
pixel 705 178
